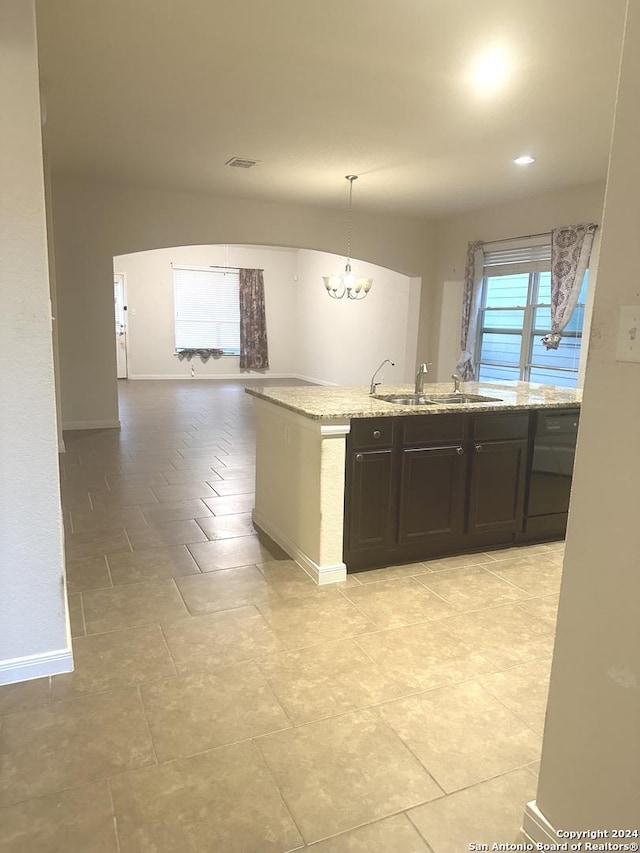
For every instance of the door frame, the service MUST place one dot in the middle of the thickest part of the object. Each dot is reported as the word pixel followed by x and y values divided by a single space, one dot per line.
pixel 123 280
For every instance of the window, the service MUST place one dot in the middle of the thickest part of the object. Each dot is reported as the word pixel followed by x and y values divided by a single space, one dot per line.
pixel 515 313
pixel 207 308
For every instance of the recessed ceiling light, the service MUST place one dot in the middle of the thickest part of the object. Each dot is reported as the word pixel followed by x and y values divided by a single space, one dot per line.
pixel 525 160
pixel 492 70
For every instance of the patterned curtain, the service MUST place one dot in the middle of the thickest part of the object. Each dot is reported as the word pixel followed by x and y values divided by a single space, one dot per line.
pixel 470 305
pixel 570 250
pixel 254 352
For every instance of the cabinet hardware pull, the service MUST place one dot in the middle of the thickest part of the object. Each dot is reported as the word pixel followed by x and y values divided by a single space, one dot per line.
pixel 359 457
pixel 376 433
pixel 459 450
pixel 479 448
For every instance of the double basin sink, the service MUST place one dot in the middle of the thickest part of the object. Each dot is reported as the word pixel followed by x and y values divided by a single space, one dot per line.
pixel 436 399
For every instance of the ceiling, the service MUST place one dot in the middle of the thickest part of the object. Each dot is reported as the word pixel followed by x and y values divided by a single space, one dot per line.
pixel 160 93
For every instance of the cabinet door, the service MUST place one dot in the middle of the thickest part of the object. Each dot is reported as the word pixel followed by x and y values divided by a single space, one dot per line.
pixel 431 494
pixel 371 522
pixel 496 490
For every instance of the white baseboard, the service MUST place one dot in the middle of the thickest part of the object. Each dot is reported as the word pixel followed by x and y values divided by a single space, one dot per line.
pixel 313 380
pixel 35 666
pixel 320 574
pixel 109 424
pixel 536 827
pixel 244 375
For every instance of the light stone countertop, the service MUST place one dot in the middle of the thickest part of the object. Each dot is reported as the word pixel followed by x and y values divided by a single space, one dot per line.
pixel 336 402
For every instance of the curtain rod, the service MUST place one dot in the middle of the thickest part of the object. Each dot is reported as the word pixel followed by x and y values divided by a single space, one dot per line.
pixel 522 237
pixel 216 267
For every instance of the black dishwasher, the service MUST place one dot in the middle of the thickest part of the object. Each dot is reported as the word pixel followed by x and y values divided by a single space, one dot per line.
pixel 550 473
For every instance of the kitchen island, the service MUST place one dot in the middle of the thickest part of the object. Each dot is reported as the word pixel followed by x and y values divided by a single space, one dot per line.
pixel 347 479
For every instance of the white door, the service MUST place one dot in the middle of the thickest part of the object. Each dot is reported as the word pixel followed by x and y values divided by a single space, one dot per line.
pixel 120 311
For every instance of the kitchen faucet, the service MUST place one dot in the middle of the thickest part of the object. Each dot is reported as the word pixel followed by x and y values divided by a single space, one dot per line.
pixel 421 376
pixel 457 379
pixel 374 384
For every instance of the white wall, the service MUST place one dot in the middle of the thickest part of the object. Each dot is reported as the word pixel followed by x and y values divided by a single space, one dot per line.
pixel 94 222
pixel 34 637
pixel 526 216
pixel 343 341
pixel 311 336
pixel 590 773
pixel 149 291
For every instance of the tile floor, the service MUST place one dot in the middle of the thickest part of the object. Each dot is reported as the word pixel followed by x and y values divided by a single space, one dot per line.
pixel 222 702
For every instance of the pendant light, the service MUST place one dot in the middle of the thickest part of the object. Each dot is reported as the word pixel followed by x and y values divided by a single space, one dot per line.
pixel 346 284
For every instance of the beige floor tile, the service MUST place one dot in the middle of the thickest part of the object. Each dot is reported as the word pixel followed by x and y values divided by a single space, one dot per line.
pixel 80 545
pixel 544 608
pixel 223 800
pixel 391 835
pixel 290 581
pixel 487 813
pixel 131 605
pixel 76 821
pixel 228 526
pixel 76 615
pixel 230 553
pixel 201 710
pixel 151 564
pixel 402 601
pixel 203 474
pixel 425 656
pixel 215 640
pixel 170 533
pixel 246 486
pixel 523 690
pixel 138 480
pixel 505 635
pixel 174 511
pixel 193 463
pixel 115 660
pixel 314 619
pixel 26 694
pixel 224 589
pixel 534 769
pixel 535 575
pixel 458 561
pixel 183 492
pixel 231 504
pixel 87 573
pixel 340 773
pixel 66 744
pixel 121 496
pixel 519 552
pixel 326 680
pixel 462 734
pixel 141 467
pixel 114 518
pixel 471 588
pixel 238 460
pixel 237 472
pixel 408 570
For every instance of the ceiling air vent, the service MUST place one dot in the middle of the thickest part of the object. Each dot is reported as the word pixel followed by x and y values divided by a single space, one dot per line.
pixel 241 163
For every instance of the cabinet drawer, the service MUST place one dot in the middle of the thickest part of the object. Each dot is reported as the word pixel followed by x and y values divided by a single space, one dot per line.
pixel 428 428
pixel 500 425
pixel 371 432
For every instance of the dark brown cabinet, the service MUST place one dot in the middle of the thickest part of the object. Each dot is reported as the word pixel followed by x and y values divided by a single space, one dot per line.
pixel 423 486
pixel 496 487
pixel 372 499
pixel 431 494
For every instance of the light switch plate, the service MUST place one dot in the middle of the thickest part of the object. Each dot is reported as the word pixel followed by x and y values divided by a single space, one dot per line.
pixel 628 343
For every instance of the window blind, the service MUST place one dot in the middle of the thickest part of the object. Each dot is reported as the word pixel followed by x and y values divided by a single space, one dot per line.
pixel 518 255
pixel 207 308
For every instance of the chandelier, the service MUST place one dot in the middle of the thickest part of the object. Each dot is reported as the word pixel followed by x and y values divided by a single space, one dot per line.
pixel 346 284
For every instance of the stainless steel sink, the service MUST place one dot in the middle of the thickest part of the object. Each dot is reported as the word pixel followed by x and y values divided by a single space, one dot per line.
pixel 406 399
pixel 463 398
pixel 436 399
